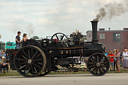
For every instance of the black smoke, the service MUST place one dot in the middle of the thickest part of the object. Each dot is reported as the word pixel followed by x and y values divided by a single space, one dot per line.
pixel 110 11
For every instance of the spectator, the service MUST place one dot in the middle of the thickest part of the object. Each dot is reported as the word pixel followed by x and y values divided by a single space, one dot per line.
pixel 125 59
pixel 106 54
pixel 25 38
pixel 18 40
pixel 5 64
pixel 111 59
pixel 0 64
pixel 1 60
pixel 121 62
pixel 114 52
pixel 117 56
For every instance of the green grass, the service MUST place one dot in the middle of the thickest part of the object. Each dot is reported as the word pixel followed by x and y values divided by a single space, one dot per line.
pixel 11 73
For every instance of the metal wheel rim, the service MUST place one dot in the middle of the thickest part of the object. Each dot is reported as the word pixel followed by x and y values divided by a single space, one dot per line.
pixel 98 64
pixel 56 35
pixel 30 61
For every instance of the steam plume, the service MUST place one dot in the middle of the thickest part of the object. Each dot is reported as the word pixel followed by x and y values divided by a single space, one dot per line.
pixel 111 10
pixel 29 28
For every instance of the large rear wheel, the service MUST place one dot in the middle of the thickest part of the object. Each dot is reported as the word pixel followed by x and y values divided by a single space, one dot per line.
pixel 30 61
pixel 98 64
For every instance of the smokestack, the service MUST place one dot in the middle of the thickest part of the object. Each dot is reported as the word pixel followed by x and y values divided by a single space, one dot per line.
pixel 94 32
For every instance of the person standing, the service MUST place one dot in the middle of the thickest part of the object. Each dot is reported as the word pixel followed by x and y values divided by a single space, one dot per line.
pixel 111 59
pixel 125 59
pixel 117 56
pixel 18 40
pixel 1 61
pixel 114 52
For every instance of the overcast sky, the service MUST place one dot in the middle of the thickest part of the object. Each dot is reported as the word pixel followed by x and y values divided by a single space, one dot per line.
pixel 46 17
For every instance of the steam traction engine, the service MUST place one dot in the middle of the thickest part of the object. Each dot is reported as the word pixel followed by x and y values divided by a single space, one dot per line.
pixel 39 57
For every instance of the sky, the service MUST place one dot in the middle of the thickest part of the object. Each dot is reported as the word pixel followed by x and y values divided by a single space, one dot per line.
pixel 45 17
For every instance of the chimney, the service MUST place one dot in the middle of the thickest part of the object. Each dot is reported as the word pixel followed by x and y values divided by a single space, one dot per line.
pixel 94 32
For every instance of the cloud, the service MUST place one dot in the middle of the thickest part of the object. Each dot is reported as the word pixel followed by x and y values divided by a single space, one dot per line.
pixel 50 16
pixel 47 11
pixel 109 1
pixel 45 21
pixel 75 10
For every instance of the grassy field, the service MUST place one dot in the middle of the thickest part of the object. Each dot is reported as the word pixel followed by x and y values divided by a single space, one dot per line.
pixel 15 73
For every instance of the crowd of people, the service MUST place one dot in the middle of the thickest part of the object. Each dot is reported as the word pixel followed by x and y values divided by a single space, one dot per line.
pixel 117 58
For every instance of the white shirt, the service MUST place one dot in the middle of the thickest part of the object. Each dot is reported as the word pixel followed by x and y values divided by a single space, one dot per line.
pixel 125 55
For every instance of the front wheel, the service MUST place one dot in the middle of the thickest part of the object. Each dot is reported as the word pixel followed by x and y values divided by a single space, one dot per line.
pixel 98 64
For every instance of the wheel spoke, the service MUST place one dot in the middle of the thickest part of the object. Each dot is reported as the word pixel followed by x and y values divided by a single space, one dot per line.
pixel 20 59
pixel 35 69
pixel 98 59
pixel 91 63
pixel 62 37
pixel 34 54
pixel 37 66
pixel 23 63
pixel 24 53
pixel 57 37
pixel 92 66
pixel 104 62
pixel 94 69
pixel 93 60
pixel 26 68
pixel 38 59
pixel 40 63
pixel 103 65
pixel 24 57
pixel 102 69
pixel 37 56
pixel 32 69
pixel 22 67
pixel 101 58
pixel 29 53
